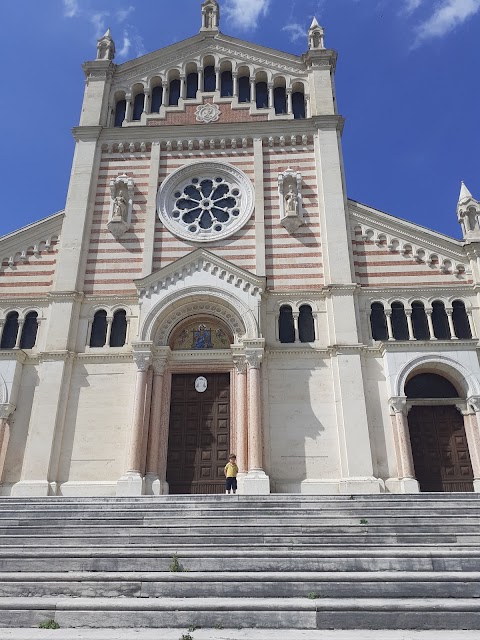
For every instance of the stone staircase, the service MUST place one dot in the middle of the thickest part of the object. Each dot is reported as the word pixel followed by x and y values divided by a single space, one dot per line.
pixel 274 562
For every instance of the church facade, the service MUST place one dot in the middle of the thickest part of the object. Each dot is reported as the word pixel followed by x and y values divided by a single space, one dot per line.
pixel 209 288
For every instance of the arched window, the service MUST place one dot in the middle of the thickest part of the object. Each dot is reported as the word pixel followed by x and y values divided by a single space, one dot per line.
pixel 157 95
pixel 440 321
pixel 209 79
pixel 192 84
pixel 399 322
pixel 227 84
pixel 244 89
pixel 10 331
pixel 120 111
pixel 280 100
pixel 306 325
pixel 118 334
pixel 419 321
pixel 286 326
pixel 138 104
pixel 378 322
pixel 29 331
pixel 261 95
pixel 99 329
pixel 298 105
pixel 460 321
pixel 430 385
pixel 174 93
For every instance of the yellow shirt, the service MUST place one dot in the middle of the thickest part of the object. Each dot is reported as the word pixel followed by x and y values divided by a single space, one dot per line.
pixel 231 470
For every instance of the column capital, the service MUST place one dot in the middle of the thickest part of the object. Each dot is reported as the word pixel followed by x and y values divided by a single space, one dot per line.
pixel 142 355
pixel 240 363
pixel 474 402
pixel 398 404
pixel 6 410
pixel 254 358
pixel 159 365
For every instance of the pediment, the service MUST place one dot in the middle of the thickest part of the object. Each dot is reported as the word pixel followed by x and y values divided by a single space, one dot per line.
pixel 406 237
pixel 198 262
pixel 194 48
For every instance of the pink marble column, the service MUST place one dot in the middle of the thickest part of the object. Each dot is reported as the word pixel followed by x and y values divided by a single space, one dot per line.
pixel 254 413
pixel 401 436
pixel 3 444
pixel 155 420
pixel 241 414
pixel 146 420
pixel 472 431
pixel 136 441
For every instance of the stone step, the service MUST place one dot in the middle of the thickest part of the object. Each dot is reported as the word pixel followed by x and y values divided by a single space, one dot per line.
pixel 233 539
pixel 278 613
pixel 298 584
pixel 232 634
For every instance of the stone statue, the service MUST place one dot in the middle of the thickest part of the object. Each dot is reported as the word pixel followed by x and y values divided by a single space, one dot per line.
pixel 209 18
pixel 119 208
pixel 291 202
pixel 316 40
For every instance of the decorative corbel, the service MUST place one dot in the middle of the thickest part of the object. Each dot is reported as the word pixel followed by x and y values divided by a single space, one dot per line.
pixel 120 217
pixel 291 201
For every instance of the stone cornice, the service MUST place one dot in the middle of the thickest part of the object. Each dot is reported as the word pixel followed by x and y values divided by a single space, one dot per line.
pixel 38 237
pixel 250 130
pixel 65 296
pixel 86 134
pixel 13 354
pixel 411 290
pixel 99 70
pixel 56 356
pixel 426 345
pixel 321 59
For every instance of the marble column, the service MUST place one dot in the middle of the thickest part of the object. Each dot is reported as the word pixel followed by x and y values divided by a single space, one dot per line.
pixel 388 315
pixel 153 484
pixel 6 411
pixel 241 414
pixel 431 329
pixel 405 481
pixel 148 101
pixel 131 483
pixel 256 482
pixel 411 334
pixel 472 431
pixel 289 102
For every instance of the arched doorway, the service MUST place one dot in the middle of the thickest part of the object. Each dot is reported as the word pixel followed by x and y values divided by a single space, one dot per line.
pixel 437 434
pixel 200 412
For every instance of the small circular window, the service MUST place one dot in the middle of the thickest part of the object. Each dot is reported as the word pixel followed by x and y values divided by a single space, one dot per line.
pixel 205 201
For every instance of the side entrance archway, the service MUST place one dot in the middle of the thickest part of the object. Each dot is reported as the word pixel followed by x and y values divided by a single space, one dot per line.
pixel 437 434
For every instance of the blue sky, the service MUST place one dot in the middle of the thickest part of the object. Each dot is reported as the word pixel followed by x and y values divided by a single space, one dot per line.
pixel 407 83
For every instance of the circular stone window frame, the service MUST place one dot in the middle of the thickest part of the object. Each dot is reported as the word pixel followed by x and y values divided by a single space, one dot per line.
pixel 180 178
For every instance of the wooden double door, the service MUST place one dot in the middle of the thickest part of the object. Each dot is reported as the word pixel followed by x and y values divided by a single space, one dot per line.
pixel 440 449
pixel 199 434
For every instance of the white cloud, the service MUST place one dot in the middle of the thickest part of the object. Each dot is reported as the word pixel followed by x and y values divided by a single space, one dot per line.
pixel 127 43
pixel 70 8
pixel 448 15
pixel 99 24
pixel 295 31
pixel 412 5
pixel 245 14
pixel 122 14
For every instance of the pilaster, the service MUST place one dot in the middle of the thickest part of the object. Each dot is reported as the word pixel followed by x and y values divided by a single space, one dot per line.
pixel 151 210
pixel 259 207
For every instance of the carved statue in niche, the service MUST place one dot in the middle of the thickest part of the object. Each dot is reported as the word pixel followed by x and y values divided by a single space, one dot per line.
pixel 121 205
pixel 119 208
pixel 291 201
pixel 316 40
pixel 290 192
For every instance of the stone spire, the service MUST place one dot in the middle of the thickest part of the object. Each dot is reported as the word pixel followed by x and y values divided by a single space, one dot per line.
pixel 210 16
pixel 106 47
pixel 316 36
pixel 468 214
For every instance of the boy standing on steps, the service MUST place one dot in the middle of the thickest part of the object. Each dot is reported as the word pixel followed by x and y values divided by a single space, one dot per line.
pixel 231 471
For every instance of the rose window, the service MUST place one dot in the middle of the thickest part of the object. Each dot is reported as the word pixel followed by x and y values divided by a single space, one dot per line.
pixel 205 201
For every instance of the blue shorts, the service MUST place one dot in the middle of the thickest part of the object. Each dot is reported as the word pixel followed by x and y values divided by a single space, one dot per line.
pixel 231 484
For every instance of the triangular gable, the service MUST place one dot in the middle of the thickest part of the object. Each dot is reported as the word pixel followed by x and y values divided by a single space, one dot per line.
pixel 37 238
pixel 197 261
pixel 225 46
pixel 389 250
